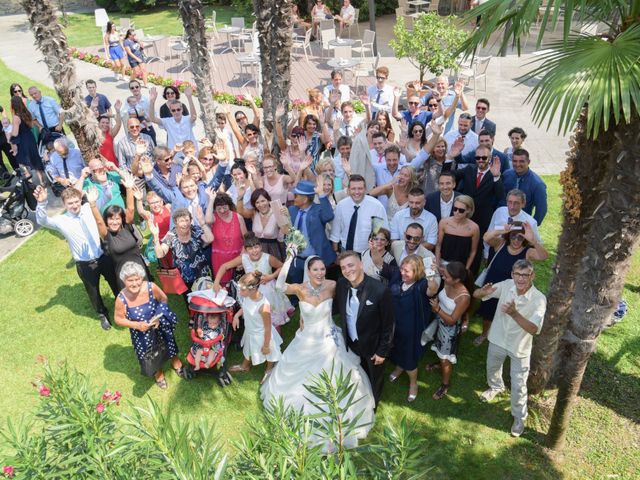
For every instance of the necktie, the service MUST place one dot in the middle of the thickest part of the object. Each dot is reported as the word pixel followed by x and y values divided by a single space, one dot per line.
pixel 64 166
pixel 44 120
pixel 352 227
pixel 380 157
pixel 478 179
pixel 346 130
pixel 517 182
pixel 353 306
pixel 301 215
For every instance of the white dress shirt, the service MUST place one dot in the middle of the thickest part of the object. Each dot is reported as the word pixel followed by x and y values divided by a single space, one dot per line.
pixel 345 92
pixel 470 140
pixel 355 123
pixel 385 101
pixel 178 132
pixel 501 217
pixel 445 207
pixel 403 218
pixel 369 207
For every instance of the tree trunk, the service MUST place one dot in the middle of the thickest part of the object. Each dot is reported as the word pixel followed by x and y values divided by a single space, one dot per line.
pixel 580 194
pixel 52 42
pixel 613 236
pixel 273 22
pixel 193 21
pixel 372 24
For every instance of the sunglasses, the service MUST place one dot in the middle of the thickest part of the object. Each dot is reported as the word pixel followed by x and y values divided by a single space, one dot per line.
pixel 412 238
pixel 17 90
pixel 518 237
pixel 134 87
pixel 418 130
pixel 250 135
pixel 458 209
pixel 432 105
pixel 414 103
pixel 174 110
pixel 481 157
pixel 167 159
pixel 381 78
pixel 170 92
pixel 479 107
pixel 134 127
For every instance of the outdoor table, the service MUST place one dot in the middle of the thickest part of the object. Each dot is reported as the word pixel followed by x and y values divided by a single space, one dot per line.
pixel 344 63
pixel 342 42
pixel 418 4
pixel 249 62
pixel 228 31
pixel 152 40
pixel 181 48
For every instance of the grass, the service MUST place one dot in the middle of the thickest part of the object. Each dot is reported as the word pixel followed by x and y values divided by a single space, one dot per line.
pixel 81 30
pixel 44 310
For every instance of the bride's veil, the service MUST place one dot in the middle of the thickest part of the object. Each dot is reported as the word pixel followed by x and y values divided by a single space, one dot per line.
pixel 306 268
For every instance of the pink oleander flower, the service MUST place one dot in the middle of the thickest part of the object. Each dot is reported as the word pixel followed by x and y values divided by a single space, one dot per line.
pixel 106 395
pixel 100 408
pixel 115 397
pixel 8 471
pixel 44 391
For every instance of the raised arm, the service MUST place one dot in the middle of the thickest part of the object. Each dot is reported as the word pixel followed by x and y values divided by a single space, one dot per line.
pixel 188 92
pixel 396 99
pixel 118 119
pixel 161 249
pixel 231 120
pixel 92 197
pixel 153 95
pixel 128 181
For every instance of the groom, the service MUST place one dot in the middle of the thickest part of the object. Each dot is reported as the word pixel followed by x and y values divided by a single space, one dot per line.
pixel 366 313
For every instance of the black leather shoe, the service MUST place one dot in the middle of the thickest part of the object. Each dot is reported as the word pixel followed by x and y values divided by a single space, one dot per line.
pixel 104 321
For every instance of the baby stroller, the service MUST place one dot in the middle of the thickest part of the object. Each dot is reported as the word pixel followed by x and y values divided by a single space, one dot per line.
pixel 212 347
pixel 15 197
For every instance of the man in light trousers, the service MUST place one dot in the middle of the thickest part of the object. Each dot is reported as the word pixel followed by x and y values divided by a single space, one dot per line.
pixel 519 316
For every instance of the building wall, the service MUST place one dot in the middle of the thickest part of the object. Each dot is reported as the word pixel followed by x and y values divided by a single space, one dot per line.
pixel 11 7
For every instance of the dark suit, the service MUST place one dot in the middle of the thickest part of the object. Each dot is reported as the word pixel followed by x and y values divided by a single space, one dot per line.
pixel 315 220
pixel 375 326
pixel 470 159
pixel 433 203
pixel 486 196
pixel 488 125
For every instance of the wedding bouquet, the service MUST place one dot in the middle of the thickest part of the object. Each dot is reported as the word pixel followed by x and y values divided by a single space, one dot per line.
pixel 295 241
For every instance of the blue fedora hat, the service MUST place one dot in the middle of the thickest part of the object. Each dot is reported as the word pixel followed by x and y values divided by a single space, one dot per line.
pixel 305 188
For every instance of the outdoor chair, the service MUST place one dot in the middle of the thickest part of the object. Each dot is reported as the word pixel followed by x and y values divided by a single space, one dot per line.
pixel 181 48
pixel 366 69
pixel 327 24
pixel 356 19
pixel 434 6
pixel 304 43
pixel 477 71
pixel 366 44
pixel 243 35
pixel 326 36
pixel 212 24
pixel 408 22
pixel 126 24
pixel 102 19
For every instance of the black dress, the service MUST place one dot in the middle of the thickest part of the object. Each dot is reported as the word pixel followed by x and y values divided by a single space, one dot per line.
pixel 499 270
pixel 455 248
pixel 123 248
pixel 412 313
pixel 28 155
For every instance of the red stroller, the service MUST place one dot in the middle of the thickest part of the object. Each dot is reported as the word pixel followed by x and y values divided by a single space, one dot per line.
pixel 211 316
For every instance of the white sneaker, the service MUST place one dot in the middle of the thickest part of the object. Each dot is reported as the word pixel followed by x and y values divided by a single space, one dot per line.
pixel 518 427
pixel 490 394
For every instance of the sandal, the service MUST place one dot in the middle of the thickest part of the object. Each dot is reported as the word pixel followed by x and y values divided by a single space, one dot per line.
pixel 238 368
pixel 162 383
pixel 433 366
pixel 266 376
pixel 412 396
pixel 441 392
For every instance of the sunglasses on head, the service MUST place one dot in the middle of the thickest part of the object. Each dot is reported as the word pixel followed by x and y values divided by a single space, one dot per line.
pixel 458 209
pixel 482 157
pixel 412 238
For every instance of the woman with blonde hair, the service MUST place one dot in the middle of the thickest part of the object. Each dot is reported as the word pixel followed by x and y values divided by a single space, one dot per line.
pixel 459 236
pixel 315 106
pixel 410 288
pixel 397 190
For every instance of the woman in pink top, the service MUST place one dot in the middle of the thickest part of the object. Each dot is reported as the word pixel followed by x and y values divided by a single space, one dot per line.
pixel 228 229
pixel 276 184
pixel 264 221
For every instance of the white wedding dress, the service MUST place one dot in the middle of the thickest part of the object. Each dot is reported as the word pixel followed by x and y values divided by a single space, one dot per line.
pixel 319 346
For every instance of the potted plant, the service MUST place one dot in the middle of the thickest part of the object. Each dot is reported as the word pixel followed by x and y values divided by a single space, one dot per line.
pixel 431 45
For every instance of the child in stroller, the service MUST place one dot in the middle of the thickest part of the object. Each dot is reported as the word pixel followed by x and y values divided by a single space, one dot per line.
pixel 210 332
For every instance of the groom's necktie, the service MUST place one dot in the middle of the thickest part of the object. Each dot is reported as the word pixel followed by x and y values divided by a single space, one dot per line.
pixel 354 305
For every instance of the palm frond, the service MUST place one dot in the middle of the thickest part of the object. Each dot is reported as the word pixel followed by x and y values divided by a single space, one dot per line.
pixel 603 72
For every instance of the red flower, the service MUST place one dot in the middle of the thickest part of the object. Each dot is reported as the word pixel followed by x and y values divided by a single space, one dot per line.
pixel 8 471
pixel 106 395
pixel 44 391
pixel 100 408
pixel 115 397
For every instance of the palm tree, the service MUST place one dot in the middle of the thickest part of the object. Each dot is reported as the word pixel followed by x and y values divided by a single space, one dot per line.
pixel 201 67
pixel 52 42
pixel 591 83
pixel 273 23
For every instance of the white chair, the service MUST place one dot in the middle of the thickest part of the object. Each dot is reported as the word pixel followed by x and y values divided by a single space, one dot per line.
pixel 366 44
pixel 212 24
pixel 327 36
pixel 126 24
pixel 327 24
pixel 303 43
pixel 477 71
pixel 244 34
pixel 366 68
pixel 102 18
pixel 356 19
pixel 182 52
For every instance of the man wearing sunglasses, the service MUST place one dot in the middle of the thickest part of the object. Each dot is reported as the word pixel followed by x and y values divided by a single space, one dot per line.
pixel 483 183
pixel 485 139
pixel 411 244
pixel 133 144
pixel 519 316
pixel 179 127
pixel 479 121
pixel 413 112
pixel 380 94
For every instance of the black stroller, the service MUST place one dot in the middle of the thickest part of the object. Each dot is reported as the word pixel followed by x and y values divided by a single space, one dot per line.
pixel 15 197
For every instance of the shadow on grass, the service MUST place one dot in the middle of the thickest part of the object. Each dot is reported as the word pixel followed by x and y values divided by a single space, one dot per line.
pixel 74 297
pixel 123 360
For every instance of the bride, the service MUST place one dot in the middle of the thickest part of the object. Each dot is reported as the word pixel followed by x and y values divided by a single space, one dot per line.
pixel 318 345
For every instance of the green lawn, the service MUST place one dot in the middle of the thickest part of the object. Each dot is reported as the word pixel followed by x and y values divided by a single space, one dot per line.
pixel 82 31
pixel 44 310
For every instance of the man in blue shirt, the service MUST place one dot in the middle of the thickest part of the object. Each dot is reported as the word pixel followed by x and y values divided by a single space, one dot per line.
pixel 97 102
pixel 46 111
pixel 523 178
pixel 413 112
pixel 65 165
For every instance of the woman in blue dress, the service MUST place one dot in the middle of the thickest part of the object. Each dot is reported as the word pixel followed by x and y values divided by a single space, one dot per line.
pixel 137 308
pixel 410 289
pixel 23 142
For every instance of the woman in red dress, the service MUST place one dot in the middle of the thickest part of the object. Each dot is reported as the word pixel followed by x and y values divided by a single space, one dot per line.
pixel 228 229
pixel 104 123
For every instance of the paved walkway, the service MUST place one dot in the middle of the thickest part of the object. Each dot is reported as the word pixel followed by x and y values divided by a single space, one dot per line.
pixel 547 148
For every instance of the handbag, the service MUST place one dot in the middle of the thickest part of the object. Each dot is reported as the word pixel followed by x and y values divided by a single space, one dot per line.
pixel 156 354
pixel 483 274
pixel 171 280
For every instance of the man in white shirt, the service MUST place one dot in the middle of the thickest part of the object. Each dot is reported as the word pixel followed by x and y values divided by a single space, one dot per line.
pixel 519 316
pixel 388 170
pixel 352 222
pixel 378 152
pixel 463 131
pixel 143 108
pixel 179 127
pixel 415 213
pixel 346 17
pixel 513 212
pixel 336 84
pixel 380 95
pixel 412 245
pixel 349 124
